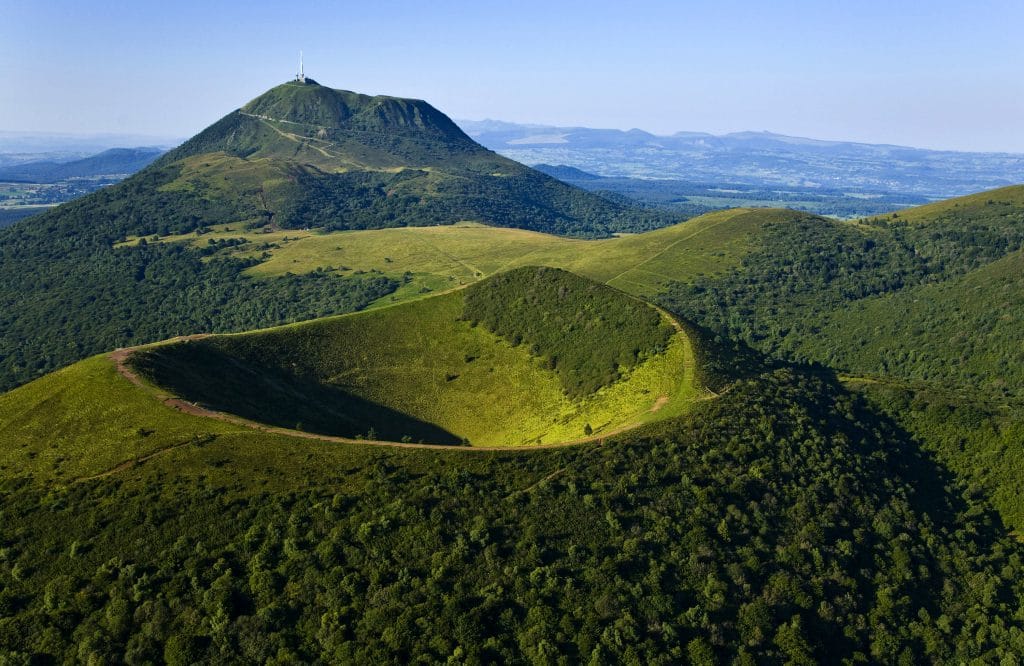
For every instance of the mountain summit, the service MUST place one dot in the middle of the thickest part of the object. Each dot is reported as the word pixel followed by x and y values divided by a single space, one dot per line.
pixel 342 110
pixel 304 155
pixel 325 126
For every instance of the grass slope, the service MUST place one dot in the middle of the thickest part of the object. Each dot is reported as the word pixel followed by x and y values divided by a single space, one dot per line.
pixel 417 371
pixel 438 258
pixel 85 419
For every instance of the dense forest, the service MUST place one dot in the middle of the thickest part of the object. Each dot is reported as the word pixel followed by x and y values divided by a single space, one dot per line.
pixel 60 308
pixel 921 310
pixel 375 200
pixel 588 333
pixel 9 216
pixel 786 522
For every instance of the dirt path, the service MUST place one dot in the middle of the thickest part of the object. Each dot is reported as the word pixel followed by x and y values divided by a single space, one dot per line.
pixel 119 357
pixel 533 485
pixel 307 141
pixel 128 464
pixel 659 403
pixel 667 248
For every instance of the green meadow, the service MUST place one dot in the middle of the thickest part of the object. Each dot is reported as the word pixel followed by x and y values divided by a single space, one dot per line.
pixel 443 257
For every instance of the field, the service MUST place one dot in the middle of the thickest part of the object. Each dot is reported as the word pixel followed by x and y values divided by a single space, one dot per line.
pixel 443 257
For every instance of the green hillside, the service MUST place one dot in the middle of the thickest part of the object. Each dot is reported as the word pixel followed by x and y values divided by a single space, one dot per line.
pixel 86 419
pixel 423 372
pixel 1004 202
pixel 429 259
pixel 961 331
pixel 814 275
pixel 785 521
pixel 588 334
pixel 311 156
pixel 921 310
pixel 299 156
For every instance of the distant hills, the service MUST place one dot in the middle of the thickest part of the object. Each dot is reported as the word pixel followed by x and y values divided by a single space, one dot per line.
pixel 64 147
pixel 111 162
pixel 752 158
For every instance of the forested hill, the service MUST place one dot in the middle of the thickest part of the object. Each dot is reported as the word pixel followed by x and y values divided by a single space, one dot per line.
pixel 391 131
pixel 587 332
pixel 922 309
pixel 297 156
pixel 785 522
pixel 896 296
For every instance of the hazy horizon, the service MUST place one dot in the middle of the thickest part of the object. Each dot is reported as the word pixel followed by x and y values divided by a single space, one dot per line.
pixel 927 75
pixel 106 140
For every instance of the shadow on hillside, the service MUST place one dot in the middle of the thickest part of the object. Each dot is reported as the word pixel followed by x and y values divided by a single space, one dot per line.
pixel 207 376
pixel 896 463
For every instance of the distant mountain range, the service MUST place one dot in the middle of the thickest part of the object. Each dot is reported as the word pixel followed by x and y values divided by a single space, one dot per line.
pixel 752 158
pixel 112 162
pixel 73 146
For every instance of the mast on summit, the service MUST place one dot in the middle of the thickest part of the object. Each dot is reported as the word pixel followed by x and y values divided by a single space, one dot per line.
pixel 301 76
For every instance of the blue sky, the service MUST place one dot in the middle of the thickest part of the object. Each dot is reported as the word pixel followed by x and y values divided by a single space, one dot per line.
pixel 935 74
